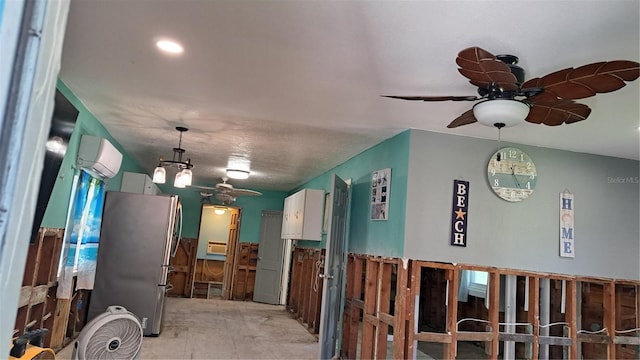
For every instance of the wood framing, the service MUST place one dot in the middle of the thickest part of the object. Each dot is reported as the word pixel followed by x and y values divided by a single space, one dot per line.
pixel 370 289
pixel 245 271
pixel 305 291
pixel 377 294
pixel 38 304
pixel 182 268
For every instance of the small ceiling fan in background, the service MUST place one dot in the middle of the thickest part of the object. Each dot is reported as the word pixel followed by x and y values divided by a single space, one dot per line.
pixel 508 100
pixel 224 192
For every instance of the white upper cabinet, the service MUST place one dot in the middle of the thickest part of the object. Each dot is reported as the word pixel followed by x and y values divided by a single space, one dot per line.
pixel 138 183
pixel 302 215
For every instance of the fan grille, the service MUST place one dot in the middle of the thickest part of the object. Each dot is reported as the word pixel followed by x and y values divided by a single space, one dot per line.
pixel 118 339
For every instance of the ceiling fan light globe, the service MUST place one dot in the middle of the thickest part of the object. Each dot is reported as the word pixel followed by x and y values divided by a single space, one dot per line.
pixel 506 111
pixel 159 175
pixel 237 174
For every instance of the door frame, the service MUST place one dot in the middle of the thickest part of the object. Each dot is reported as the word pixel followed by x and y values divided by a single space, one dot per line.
pixel 230 262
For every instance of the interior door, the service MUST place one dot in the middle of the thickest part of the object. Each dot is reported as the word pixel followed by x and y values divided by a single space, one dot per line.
pixel 270 259
pixel 332 291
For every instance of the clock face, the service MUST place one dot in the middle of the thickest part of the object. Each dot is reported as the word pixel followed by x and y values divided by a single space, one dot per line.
pixel 513 177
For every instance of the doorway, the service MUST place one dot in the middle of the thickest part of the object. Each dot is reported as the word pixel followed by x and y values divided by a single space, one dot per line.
pixel 216 250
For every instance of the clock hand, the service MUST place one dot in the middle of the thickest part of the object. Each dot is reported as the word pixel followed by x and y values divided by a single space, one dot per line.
pixel 513 174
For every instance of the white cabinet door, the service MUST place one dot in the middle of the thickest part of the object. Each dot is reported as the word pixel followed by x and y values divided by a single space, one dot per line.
pixel 286 219
pixel 302 215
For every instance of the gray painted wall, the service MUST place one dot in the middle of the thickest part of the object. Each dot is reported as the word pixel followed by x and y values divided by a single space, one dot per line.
pixel 523 235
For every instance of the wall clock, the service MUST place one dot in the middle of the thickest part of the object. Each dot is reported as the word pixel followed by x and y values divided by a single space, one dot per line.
pixel 512 174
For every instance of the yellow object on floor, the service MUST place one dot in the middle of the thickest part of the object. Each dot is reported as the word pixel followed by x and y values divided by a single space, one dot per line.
pixel 29 346
pixel 36 352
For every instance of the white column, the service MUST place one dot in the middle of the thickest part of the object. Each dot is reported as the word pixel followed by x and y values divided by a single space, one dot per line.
pixel 545 298
pixel 510 314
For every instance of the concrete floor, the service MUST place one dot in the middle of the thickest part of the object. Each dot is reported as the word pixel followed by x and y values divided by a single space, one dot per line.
pixel 218 329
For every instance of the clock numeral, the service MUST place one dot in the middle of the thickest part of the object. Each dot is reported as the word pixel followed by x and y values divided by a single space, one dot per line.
pixel 513 154
pixel 528 165
pixel 496 182
pixel 532 176
pixel 493 172
pixel 521 157
pixel 503 155
pixel 528 185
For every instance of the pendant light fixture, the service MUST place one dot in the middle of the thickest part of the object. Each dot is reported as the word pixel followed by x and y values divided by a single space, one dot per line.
pixel 184 175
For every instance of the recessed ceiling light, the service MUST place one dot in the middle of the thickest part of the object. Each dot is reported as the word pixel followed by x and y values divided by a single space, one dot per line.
pixel 170 46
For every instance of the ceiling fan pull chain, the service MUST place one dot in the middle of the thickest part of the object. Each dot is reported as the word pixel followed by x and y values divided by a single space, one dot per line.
pixel 499 126
pixel 498 144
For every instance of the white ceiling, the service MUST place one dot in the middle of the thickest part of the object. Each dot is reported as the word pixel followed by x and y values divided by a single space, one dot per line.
pixel 294 86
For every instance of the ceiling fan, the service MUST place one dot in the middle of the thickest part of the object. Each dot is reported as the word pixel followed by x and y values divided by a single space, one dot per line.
pixel 224 192
pixel 508 100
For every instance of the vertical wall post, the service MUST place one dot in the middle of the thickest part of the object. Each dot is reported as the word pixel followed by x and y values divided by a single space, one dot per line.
pixel 400 310
pixel 453 275
pixel 370 291
pixel 609 316
pixel 412 310
pixel 534 313
pixel 494 308
pixel 570 316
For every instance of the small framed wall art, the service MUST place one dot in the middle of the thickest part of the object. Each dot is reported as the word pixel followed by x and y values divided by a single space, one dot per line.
pixel 380 188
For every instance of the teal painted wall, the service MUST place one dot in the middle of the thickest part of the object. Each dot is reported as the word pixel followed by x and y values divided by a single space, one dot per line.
pixel 252 208
pixel 524 235
pixel 367 236
pixel 56 213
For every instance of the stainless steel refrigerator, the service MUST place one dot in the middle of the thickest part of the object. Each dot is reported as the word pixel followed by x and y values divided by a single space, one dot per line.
pixel 138 236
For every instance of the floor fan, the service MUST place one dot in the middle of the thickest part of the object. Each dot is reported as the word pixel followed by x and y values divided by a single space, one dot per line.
pixel 114 334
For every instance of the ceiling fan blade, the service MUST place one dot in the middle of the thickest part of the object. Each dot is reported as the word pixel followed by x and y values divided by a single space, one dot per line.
pixel 202 187
pixel 465 119
pixel 244 192
pixel 435 98
pixel 587 80
pixel 556 112
pixel 483 69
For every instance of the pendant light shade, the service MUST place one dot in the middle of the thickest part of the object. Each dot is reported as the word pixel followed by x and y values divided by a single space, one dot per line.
pixel 178 182
pixel 186 177
pixel 159 175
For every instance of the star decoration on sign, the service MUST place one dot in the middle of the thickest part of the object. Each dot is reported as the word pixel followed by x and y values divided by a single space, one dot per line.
pixel 460 214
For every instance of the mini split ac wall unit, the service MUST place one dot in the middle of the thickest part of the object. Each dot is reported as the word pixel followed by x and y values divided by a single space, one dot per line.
pixel 98 157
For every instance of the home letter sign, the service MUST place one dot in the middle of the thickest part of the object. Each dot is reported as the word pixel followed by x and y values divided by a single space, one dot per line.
pixel 459 213
pixel 566 225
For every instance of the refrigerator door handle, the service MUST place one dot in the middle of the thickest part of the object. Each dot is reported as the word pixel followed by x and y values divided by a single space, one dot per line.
pixel 179 230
